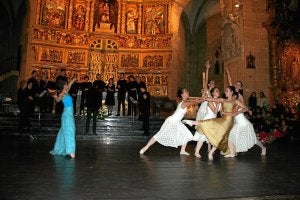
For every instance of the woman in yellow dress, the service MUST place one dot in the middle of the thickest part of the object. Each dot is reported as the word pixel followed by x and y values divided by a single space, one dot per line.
pixel 217 130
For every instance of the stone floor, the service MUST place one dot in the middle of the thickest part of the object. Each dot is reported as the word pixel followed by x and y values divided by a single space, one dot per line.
pixel 114 170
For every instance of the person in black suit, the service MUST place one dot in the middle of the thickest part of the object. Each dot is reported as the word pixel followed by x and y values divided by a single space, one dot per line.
pixel 22 100
pixel 145 108
pixel 84 86
pixel 132 94
pixel 93 102
pixel 140 84
pixel 121 87
pixel 100 85
pixel 60 78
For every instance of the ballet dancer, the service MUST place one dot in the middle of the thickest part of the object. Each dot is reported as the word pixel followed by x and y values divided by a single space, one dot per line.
pixel 211 112
pixel 65 140
pixel 217 129
pixel 173 132
pixel 242 135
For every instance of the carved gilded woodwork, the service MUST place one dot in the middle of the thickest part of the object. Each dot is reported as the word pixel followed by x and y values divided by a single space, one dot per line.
pixel 87 37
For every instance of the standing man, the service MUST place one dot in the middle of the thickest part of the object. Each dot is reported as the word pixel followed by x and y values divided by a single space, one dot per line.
pixel 84 86
pixel 93 102
pixel 100 85
pixel 132 92
pixel 140 84
pixel 61 77
pixel 145 109
pixel 121 87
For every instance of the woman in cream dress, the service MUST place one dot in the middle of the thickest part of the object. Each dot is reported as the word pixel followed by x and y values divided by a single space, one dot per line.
pixel 173 132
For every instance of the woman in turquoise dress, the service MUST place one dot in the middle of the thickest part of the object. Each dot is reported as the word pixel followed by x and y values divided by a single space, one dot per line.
pixel 65 140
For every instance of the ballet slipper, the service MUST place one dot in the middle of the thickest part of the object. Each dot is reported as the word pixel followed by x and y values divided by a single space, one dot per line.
pixel 210 156
pixel 188 122
pixel 264 151
pixel 229 156
pixel 142 151
pixel 197 155
pixel 72 155
pixel 184 153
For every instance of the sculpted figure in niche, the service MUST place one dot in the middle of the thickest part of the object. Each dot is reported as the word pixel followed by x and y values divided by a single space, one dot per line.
pixel 79 18
pixel 106 11
pixel 250 60
pixel 132 17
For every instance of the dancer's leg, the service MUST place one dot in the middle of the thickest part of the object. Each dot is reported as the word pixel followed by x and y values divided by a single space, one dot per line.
pixel 182 150
pixel 263 148
pixel 149 144
pixel 212 151
pixel 232 150
pixel 197 149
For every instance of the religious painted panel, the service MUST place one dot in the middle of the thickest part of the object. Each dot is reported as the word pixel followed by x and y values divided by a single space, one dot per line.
pixel 144 42
pixel 54 13
pixel 76 57
pixel 51 55
pixel 105 15
pixel 79 15
pixel 132 16
pixel 129 60
pixel 155 19
pixel 61 37
pixel 153 61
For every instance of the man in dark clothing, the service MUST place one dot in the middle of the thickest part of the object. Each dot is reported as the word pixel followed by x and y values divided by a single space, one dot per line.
pixel 140 84
pixel 145 109
pixel 35 83
pixel 100 85
pixel 121 87
pixel 22 100
pixel 84 86
pixel 132 95
pixel 61 77
pixel 93 102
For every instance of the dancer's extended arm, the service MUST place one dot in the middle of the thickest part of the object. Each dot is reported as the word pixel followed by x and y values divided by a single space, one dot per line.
pixel 228 76
pixel 193 102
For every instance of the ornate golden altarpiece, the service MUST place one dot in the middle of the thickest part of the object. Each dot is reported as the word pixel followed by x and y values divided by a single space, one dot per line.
pixel 87 37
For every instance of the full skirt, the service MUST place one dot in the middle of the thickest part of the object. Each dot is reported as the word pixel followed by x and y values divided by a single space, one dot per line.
pixel 217 131
pixel 242 134
pixel 65 140
pixel 173 134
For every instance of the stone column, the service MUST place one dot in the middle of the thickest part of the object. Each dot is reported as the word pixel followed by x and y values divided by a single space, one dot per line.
pixel 70 13
pixel 38 14
pixel 140 16
pixel 91 15
pixel 87 16
pixel 123 10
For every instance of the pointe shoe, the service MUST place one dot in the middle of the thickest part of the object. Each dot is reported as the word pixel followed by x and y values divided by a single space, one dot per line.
pixel 142 151
pixel 184 153
pixel 188 122
pixel 72 155
pixel 264 151
pixel 197 155
pixel 210 156
pixel 229 156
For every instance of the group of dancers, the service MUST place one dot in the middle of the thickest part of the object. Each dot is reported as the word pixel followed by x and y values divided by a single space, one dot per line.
pixel 231 133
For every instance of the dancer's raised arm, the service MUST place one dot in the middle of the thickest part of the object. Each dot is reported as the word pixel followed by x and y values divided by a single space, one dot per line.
pixel 206 78
pixel 228 76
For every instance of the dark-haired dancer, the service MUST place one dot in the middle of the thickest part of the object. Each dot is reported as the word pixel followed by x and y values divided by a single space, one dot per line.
pixel 217 129
pixel 173 132
pixel 65 140
pixel 242 135
pixel 204 112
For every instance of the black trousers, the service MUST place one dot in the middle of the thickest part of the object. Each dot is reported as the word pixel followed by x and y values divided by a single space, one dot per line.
pixel 146 123
pixel 131 106
pixel 121 101
pixel 24 118
pixel 91 111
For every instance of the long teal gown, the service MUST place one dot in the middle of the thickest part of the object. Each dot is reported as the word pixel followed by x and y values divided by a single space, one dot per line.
pixel 65 140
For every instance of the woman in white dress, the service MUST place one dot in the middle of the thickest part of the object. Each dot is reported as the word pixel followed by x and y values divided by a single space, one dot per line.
pixel 173 132
pixel 211 112
pixel 202 112
pixel 242 135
